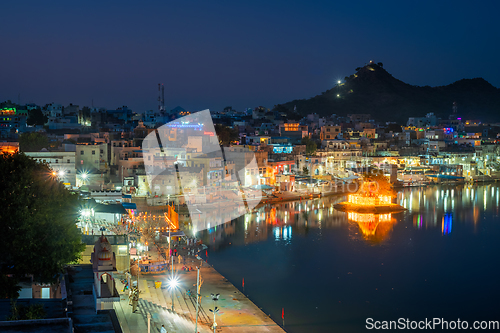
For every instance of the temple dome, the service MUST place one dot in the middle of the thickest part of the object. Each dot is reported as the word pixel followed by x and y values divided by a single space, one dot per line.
pixel 103 250
pixel 104 255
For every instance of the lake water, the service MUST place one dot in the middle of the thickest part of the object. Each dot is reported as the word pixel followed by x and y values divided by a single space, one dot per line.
pixel 331 270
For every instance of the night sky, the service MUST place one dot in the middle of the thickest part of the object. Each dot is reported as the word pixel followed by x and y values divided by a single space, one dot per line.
pixel 212 54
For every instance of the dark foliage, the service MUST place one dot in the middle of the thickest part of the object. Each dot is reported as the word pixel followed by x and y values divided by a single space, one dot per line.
pixel 311 145
pixel 22 312
pixel 32 142
pixel 226 134
pixel 38 235
pixel 36 117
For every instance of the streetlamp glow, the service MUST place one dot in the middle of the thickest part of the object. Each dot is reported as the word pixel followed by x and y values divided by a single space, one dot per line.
pixel 173 282
pixel 338 81
pixel 61 173
pixel 84 175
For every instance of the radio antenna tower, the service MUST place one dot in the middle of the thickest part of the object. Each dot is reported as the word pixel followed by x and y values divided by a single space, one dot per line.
pixel 161 98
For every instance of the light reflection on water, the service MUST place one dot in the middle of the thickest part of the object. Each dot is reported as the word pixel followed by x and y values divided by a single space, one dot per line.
pixel 428 261
pixel 428 207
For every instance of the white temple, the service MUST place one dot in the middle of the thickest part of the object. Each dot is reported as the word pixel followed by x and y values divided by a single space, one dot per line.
pixel 104 265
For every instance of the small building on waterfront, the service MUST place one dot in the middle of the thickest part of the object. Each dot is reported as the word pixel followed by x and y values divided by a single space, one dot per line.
pixel 104 267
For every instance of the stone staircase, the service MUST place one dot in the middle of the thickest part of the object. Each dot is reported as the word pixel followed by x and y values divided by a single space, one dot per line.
pixel 174 323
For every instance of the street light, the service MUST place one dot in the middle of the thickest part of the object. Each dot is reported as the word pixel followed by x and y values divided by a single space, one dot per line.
pixel 215 298
pixel 215 311
pixel 173 283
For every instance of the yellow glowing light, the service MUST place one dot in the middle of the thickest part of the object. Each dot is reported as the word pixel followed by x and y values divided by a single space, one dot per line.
pixel 356 199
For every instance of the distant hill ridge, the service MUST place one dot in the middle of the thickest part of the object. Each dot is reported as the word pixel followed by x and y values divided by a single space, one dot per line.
pixel 373 90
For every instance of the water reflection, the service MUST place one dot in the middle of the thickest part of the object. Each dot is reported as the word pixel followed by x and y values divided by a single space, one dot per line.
pixel 432 207
pixel 375 228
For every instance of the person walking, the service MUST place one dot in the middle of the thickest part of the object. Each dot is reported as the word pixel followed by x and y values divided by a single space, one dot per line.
pixel 135 299
pixel 163 329
pixel 180 258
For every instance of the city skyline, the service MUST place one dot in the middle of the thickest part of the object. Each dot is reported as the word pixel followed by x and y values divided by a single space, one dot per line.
pixel 239 55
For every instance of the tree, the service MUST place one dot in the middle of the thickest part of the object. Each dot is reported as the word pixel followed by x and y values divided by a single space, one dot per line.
pixel 32 142
pixel 38 234
pixel 226 134
pixel 22 312
pixel 36 117
pixel 305 171
pixel 383 186
pixel 311 145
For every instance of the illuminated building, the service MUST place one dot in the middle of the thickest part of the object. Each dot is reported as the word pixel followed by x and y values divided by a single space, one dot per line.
pixel 369 195
pixel 12 121
pixel 9 147
pixel 294 131
pixel 61 162
pixel 329 132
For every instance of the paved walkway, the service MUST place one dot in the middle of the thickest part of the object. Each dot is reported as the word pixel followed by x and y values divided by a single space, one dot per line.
pixel 237 313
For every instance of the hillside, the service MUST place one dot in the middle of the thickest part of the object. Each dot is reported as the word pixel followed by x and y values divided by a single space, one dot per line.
pixel 373 90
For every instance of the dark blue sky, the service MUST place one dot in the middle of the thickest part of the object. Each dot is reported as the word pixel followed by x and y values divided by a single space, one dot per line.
pixel 211 54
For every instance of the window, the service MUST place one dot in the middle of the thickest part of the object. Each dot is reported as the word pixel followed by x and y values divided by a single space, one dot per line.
pixel 102 152
pixel 45 292
pixel 93 152
pixel 81 152
pixel 67 161
pixel 57 161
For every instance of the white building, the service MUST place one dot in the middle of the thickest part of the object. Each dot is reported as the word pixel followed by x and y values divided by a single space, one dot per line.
pixel 61 162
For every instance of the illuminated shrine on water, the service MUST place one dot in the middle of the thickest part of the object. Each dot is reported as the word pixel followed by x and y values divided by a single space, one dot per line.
pixel 370 198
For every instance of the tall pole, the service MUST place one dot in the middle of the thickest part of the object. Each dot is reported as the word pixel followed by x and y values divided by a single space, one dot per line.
pixel 171 268
pixel 215 324
pixel 197 298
